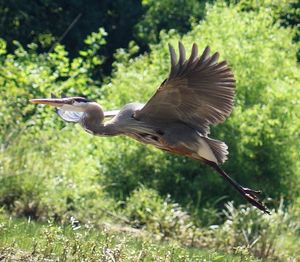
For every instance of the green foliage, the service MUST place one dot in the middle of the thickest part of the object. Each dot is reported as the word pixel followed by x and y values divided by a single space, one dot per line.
pixel 39 177
pixel 38 182
pixel 264 236
pixel 166 15
pixel 285 12
pixel 263 144
pixel 44 22
pixel 52 170
pixel 145 208
pixel 22 240
pixel 25 74
pixel 245 232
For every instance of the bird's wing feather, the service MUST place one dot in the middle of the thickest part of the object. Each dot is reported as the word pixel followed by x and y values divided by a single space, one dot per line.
pixel 199 91
pixel 69 116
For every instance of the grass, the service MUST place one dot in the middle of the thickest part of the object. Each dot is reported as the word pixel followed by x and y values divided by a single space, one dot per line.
pixel 25 240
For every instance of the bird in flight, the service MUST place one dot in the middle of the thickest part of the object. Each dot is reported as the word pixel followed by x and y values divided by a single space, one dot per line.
pixel 197 93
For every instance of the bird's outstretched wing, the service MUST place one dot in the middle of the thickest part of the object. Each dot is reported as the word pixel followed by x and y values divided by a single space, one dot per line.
pixel 199 91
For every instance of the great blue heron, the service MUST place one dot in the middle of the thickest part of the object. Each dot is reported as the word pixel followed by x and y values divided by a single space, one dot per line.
pixel 198 92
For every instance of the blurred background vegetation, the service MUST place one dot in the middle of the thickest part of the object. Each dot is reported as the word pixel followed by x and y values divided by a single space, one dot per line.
pixel 115 52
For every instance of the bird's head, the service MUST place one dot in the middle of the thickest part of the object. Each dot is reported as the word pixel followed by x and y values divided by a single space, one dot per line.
pixel 73 109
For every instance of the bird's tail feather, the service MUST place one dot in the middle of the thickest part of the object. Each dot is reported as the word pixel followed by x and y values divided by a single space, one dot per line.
pixel 219 149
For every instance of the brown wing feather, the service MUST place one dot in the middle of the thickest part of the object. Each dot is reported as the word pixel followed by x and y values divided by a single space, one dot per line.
pixel 199 91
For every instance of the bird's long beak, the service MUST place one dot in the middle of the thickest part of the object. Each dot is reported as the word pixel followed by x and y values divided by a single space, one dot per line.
pixel 57 102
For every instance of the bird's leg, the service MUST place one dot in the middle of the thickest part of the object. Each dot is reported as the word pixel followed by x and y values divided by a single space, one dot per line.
pixel 249 194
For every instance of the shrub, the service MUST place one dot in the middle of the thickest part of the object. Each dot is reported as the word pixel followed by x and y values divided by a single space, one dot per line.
pixel 145 208
pixel 39 178
pixel 158 15
pixel 48 181
pixel 261 235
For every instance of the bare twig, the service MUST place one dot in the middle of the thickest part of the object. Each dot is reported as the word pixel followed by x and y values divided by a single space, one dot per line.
pixel 66 32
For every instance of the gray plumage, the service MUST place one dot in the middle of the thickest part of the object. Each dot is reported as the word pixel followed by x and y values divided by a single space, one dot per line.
pixel 198 92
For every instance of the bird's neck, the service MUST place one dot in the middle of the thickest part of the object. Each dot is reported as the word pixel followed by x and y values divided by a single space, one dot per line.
pixel 93 122
pixel 101 129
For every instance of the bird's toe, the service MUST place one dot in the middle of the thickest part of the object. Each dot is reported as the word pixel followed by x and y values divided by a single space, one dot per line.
pixel 252 192
pixel 253 199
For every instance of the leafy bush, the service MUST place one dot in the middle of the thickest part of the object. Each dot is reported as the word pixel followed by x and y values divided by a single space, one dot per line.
pixel 48 181
pixel 46 172
pixel 244 230
pixel 159 16
pixel 26 74
pixel 145 208
pixel 263 236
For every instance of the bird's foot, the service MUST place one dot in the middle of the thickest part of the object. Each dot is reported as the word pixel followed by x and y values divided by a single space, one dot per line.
pixel 249 194
pixel 252 197
pixel 253 193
